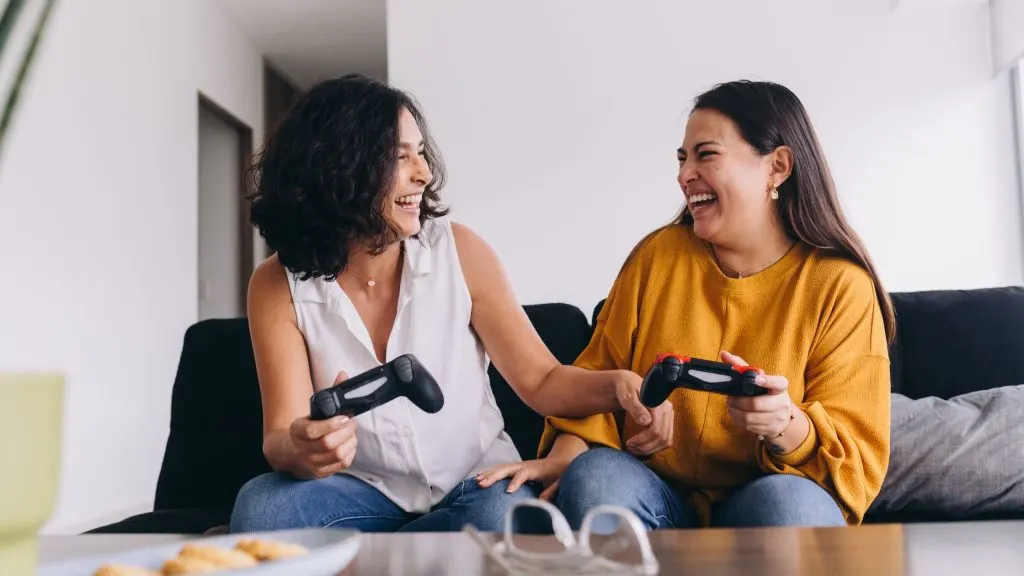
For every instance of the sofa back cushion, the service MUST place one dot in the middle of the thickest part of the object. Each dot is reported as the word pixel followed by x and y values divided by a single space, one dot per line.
pixel 565 331
pixel 952 342
pixel 216 433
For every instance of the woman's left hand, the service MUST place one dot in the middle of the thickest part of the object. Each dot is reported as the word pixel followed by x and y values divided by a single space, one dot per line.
pixel 768 415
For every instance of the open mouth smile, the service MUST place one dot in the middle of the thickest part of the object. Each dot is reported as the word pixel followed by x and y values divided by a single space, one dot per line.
pixel 409 201
pixel 701 200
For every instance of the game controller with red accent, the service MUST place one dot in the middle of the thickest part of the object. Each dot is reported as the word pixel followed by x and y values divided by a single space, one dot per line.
pixel 671 371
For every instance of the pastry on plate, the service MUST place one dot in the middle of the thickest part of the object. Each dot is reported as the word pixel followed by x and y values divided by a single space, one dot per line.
pixel 197 558
pixel 190 565
pixel 264 550
pixel 223 557
pixel 119 570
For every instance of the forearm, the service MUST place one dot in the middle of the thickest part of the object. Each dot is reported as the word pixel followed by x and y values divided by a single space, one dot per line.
pixel 566 448
pixel 572 392
pixel 279 451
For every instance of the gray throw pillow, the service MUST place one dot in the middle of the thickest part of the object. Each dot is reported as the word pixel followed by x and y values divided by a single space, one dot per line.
pixel 956 458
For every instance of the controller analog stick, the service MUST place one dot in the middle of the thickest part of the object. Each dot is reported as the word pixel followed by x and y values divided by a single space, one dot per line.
pixel 671 367
pixel 403 369
pixel 326 406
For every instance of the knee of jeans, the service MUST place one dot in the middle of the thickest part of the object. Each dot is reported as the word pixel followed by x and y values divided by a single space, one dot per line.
pixel 601 469
pixel 491 505
pixel 600 476
pixel 794 500
pixel 257 501
pixel 499 490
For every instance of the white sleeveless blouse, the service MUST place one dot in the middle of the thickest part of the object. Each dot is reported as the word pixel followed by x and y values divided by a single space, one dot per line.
pixel 412 457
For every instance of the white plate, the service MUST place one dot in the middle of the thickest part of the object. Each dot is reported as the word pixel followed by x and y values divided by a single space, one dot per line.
pixel 330 552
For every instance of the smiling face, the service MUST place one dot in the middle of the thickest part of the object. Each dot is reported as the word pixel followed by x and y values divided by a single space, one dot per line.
pixel 412 174
pixel 724 180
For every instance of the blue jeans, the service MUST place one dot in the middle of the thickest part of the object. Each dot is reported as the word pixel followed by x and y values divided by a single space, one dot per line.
pixel 276 501
pixel 607 476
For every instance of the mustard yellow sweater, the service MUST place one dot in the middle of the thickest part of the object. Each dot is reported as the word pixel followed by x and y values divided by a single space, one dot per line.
pixel 811 317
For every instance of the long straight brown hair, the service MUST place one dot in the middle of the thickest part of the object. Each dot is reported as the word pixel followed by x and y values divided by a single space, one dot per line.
pixel 768 116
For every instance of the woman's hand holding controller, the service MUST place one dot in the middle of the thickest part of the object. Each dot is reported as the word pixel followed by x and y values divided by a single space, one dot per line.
pixel 321 448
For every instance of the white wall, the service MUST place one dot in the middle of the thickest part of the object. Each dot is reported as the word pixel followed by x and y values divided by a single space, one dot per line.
pixel 1017 81
pixel 1007 32
pixel 559 123
pixel 98 220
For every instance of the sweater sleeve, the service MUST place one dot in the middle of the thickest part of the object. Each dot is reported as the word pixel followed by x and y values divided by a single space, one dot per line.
pixel 846 400
pixel 610 348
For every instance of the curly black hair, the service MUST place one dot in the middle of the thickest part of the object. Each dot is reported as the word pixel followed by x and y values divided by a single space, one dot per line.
pixel 321 181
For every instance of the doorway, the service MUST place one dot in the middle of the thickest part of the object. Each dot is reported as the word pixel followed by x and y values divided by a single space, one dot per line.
pixel 225 233
pixel 278 95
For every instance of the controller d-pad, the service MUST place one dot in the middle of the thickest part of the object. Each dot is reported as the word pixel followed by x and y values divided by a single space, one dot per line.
pixel 403 369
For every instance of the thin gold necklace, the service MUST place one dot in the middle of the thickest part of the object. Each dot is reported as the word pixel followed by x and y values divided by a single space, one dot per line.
pixel 369 281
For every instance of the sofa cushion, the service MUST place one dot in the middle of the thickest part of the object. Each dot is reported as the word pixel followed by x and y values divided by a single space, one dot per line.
pixel 959 341
pixel 565 331
pixel 596 312
pixel 956 458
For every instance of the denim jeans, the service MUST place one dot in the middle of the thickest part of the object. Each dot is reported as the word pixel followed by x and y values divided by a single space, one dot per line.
pixel 276 501
pixel 607 476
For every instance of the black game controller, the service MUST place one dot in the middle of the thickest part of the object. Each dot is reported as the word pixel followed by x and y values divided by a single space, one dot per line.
pixel 671 371
pixel 403 376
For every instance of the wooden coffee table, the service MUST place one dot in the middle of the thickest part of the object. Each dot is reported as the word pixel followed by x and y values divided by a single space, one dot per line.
pixel 991 548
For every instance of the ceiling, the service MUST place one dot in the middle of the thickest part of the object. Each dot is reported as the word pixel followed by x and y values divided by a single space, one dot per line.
pixel 936 3
pixel 307 40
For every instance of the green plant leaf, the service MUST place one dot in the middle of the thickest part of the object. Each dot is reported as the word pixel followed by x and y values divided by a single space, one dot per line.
pixel 10 16
pixel 7 22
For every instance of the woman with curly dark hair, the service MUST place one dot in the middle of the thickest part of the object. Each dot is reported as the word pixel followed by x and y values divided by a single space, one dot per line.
pixel 367 267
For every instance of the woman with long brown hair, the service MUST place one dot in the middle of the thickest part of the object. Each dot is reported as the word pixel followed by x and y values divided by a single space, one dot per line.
pixel 760 267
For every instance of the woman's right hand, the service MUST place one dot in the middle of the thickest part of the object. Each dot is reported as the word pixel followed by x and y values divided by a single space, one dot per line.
pixel 547 471
pixel 321 448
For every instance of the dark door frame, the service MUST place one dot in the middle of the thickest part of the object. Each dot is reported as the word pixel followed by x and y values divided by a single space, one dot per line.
pixel 245 228
pixel 278 94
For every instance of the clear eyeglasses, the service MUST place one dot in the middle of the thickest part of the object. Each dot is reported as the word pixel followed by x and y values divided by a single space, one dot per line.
pixel 624 549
